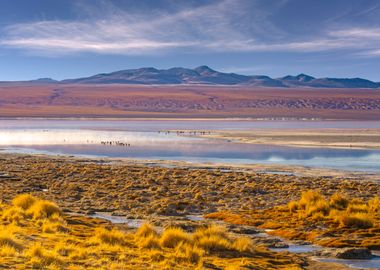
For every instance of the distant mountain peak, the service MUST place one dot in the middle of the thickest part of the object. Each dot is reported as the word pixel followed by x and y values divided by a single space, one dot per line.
pixel 148 69
pixel 46 80
pixel 203 69
pixel 304 77
pixel 300 77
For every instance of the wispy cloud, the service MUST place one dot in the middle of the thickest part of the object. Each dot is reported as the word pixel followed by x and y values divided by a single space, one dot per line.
pixel 226 26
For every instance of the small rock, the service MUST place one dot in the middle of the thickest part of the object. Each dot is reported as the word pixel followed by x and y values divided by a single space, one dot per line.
pixel 301 242
pixel 243 229
pixel 354 254
pixel 279 245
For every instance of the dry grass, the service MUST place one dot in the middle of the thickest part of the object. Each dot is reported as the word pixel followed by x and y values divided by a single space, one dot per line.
pixel 43 209
pixel 143 191
pixel 47 239
pixel 334 221
pixel 111 237
pixel 7 240
pixel 172 237
pixel 358 220
pixel 353 213
pixel 25 201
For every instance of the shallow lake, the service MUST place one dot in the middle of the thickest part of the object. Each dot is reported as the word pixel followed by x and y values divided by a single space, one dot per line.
pixel 147 140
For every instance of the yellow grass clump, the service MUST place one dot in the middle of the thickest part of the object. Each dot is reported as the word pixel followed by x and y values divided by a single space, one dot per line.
pixel 172 237
pixel 146 230
pixel 358 220
pixel 40 258
pixel 7 251
pixel 188 253
pixel 111 237
pixel 43 209
pixel 14 215
pixel 374 205
pixel 8 241
pixel 24 201
pixel 338 201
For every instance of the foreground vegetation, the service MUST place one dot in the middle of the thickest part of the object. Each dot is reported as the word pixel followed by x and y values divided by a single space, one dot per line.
pixel 335 221
pixel 36 234
pixel 88 186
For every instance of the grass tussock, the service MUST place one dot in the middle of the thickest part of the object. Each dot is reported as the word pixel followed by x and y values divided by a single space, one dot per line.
pixel 43 209
pixel 39 257
pixel 9 241
pixel 353 213
pixel 24 201
pixel 146 230
pixel 358 220
pixel 172 237
pixel 111 237
pixel 188 253
pixel 7 251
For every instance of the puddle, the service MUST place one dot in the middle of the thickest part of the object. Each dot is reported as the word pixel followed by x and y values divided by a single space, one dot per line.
pixel 278 173
pixel 293 248
pixel 373 263
pixel 195 217
pixel 356 264
pixel 133 223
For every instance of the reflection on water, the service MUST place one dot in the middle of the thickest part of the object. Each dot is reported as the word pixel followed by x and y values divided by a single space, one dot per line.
pixel 149 143
pixel 82 137
pixel 132 223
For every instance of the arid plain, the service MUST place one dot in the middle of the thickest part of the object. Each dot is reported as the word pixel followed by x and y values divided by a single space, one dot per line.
pixel 186 101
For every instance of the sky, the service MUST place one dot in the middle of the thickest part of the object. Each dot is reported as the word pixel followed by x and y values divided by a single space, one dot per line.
pixel 75 38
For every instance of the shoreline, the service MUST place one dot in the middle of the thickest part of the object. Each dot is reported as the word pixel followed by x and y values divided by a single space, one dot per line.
pixel 355 139
pixel 265 169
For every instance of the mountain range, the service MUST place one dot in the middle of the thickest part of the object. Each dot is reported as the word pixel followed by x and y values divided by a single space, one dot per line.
pixel 206 75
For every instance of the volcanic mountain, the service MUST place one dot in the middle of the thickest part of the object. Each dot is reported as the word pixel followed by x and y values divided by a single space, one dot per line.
pixel 206 75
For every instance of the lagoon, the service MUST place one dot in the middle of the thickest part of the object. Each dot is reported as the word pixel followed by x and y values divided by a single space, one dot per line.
pixel 149 140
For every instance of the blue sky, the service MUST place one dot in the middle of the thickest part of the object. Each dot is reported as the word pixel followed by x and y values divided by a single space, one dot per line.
pixel 74 38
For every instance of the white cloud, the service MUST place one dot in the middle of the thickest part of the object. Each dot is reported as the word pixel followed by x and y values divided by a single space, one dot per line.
pixel 354 33
pixel 227 26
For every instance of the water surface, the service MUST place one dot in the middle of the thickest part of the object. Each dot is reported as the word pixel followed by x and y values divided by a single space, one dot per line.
pixel 148 140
